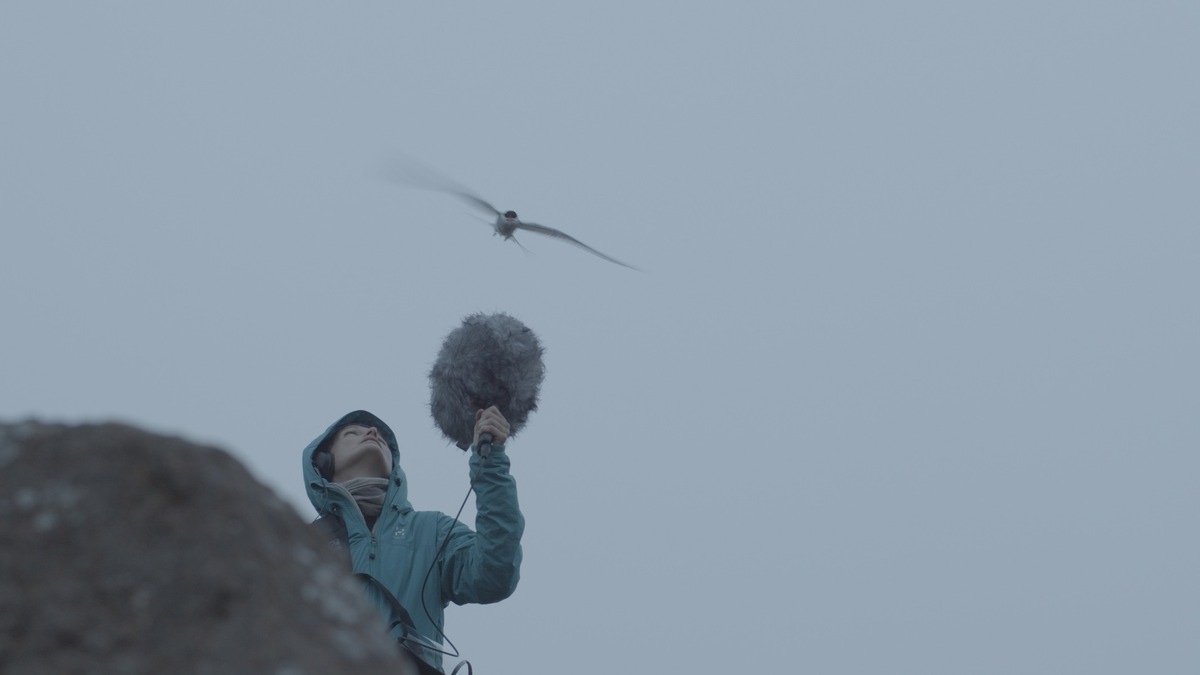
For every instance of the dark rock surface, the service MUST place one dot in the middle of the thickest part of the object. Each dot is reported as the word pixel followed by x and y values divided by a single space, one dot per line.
pixel 123 551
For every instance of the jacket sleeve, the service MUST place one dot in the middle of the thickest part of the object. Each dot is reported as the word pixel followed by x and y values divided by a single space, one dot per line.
pixel 484 565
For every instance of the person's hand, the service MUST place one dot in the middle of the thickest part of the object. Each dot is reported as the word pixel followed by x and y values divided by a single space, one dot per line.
pixel 490 421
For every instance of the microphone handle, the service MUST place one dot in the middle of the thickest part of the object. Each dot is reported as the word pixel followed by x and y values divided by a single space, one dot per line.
pixel 485 445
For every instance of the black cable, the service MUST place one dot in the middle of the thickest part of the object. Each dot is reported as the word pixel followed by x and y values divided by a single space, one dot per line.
pixel 436 557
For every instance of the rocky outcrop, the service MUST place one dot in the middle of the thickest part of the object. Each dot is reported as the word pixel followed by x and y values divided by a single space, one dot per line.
pixel 123 551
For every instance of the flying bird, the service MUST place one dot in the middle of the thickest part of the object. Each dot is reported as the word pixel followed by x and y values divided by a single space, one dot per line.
pixel 506 223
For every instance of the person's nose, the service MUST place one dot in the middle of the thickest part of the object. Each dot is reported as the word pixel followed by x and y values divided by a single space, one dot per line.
pixel 372 431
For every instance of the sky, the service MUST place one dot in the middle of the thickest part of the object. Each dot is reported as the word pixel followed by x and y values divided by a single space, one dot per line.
pixel 908 381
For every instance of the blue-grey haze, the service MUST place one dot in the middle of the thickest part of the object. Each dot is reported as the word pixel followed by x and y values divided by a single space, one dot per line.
pixel 909 384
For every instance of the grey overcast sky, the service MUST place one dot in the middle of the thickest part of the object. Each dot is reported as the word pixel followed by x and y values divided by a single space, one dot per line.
pixel 909 383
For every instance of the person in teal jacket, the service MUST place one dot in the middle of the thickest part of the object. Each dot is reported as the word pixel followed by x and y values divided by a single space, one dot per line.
pixel 352 472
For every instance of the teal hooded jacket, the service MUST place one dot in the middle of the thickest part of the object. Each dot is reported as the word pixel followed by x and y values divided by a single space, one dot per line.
pixel 479 566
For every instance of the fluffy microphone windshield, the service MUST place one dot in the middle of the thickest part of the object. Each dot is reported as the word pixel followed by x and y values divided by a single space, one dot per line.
pixel 491 359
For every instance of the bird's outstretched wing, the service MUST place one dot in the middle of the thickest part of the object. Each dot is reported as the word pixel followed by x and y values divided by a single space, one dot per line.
pixel 551 232
pixel 472 198
pixel 409 171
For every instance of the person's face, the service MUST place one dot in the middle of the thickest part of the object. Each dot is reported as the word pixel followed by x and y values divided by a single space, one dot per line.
pixel 360 452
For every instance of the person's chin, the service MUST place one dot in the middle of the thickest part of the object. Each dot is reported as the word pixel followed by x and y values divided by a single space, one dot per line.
pixel 369 461
pixel 380 460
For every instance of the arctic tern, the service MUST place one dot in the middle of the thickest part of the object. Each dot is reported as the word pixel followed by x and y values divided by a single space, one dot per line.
pixel 506 223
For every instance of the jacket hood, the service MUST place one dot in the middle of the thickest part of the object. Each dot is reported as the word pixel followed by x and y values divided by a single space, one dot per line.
pixel 319 492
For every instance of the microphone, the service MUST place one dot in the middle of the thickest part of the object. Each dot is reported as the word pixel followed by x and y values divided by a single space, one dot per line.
pixel 490 360
pixel 485 444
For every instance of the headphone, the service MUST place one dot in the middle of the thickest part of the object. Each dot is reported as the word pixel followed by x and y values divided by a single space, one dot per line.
pixel 323 461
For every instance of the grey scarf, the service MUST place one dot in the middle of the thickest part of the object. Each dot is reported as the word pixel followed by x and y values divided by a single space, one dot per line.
pixel 368 493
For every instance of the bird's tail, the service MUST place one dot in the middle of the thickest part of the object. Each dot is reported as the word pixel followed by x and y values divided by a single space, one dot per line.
pixel 519 244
